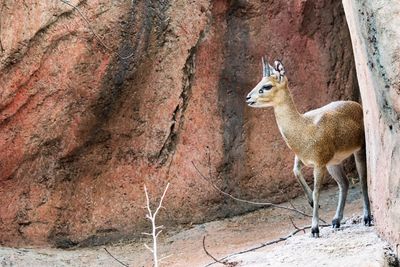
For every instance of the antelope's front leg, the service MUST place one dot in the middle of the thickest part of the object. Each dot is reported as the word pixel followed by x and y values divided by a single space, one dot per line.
pixel 319 173
pixel 299 175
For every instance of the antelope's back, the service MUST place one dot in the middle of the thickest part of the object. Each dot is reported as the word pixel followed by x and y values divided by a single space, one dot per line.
pixel 340 122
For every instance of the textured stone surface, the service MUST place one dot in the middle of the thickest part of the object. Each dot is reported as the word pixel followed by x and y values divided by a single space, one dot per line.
pixel 375 34
pixel 82 130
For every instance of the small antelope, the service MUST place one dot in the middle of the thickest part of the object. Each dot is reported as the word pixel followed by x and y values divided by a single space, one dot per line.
pixel 321 138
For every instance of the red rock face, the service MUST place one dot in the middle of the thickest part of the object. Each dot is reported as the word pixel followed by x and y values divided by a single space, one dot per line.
pixel 373 28
pixel 82 130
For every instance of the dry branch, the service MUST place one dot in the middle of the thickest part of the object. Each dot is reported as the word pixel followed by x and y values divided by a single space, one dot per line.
pixel 155 229
pixel 268 204
pixel 225 262
pixel 265 244
pixel 112 256
pixel 295 226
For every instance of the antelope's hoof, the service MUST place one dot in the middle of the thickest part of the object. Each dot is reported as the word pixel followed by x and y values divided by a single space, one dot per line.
pixel 368 220
pixel 315 232
pixel 335 223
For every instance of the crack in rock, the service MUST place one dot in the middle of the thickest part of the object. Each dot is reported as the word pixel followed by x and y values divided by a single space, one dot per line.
pixel 178 115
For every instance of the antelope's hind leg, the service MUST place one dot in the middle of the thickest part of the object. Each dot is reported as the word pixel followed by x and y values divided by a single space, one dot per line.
pixel 337 173
pixel 361 165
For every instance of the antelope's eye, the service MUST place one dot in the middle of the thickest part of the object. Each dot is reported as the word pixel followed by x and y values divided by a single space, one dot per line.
pixel 261 91
pixel 267 87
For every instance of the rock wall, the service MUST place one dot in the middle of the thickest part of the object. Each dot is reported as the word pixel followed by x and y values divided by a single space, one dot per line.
pixel 375 34
pixel 83 129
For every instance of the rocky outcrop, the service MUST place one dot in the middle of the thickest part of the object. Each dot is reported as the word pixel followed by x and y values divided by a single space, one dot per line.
pixel 82 129
pixel 375 34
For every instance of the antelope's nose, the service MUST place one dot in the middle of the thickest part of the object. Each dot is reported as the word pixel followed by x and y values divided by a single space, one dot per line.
pixel 248 97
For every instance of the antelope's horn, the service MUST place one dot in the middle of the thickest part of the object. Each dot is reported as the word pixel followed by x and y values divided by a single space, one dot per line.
pixel 266 69
pixel 263 66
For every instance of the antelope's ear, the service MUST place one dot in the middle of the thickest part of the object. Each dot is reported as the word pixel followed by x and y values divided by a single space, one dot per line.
pixel 279 69
pixel 271 69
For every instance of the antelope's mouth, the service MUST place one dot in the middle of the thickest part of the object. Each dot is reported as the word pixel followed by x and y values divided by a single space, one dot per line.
pixel 250 101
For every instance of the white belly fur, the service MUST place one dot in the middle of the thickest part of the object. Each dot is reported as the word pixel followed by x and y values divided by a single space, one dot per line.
pixel 340 156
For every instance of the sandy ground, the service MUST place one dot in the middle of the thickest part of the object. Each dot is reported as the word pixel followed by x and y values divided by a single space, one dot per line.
pixel 352 245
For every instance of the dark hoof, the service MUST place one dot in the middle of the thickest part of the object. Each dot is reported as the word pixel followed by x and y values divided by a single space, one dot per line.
pixel 315 232
pixel 335 223
pixel 368 220
pixel 312 204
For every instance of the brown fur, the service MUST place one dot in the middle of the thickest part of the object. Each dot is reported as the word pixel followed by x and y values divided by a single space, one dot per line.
pixel 321 138
pixel 320 134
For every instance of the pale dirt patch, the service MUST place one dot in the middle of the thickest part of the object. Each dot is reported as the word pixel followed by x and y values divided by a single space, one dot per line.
pixel 352 245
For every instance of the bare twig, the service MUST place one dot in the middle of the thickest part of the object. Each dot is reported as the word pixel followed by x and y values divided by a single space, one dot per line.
pixel 165 257
pixel 291 204
pixel 294 225
pixel 112 256
pixel 94 33
pixel 266 244
pixel 152 217
pixel 224 262
pixel 269 204
pixel 208 253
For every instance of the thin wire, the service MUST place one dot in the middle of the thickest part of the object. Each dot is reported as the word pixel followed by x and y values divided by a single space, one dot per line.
pixel 120 262
pixel 94 33
pixel 248 201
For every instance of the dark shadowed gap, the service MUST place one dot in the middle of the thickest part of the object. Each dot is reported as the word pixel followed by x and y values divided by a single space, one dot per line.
pixel 231 91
